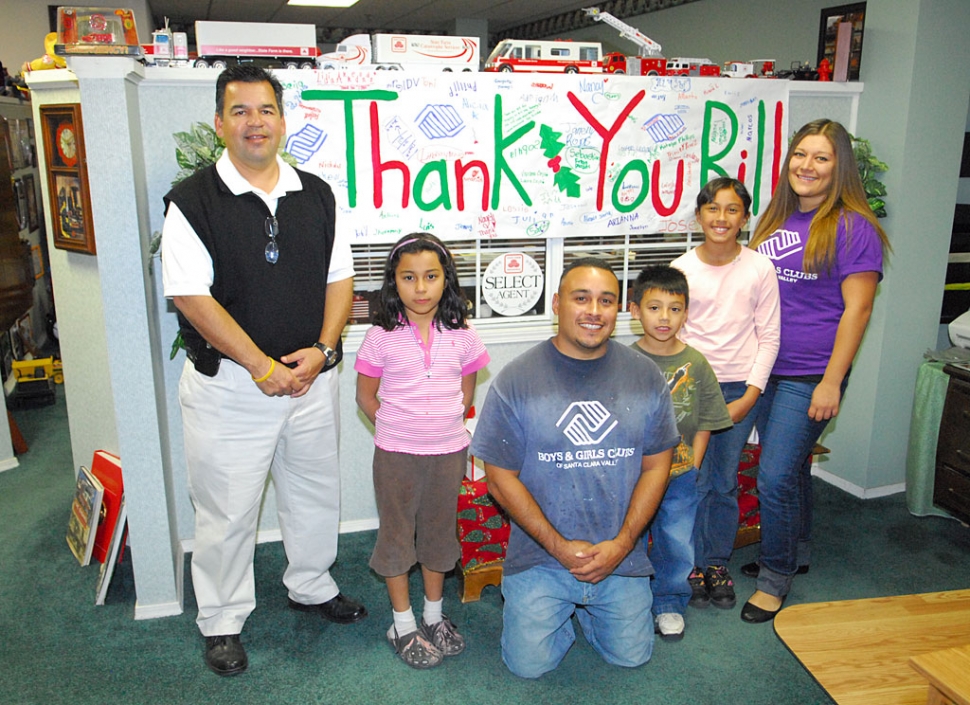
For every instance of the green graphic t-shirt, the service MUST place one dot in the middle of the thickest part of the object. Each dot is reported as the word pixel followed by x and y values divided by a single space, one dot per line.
pixel 698 402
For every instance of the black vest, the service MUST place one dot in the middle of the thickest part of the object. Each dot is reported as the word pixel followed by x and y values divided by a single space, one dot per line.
pixel 280 306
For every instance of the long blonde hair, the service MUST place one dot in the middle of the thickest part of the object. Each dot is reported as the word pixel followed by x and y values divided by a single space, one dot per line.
pixel 846 195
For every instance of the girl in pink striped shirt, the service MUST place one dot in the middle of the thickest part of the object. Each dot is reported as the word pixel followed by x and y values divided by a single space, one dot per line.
pixel 416 373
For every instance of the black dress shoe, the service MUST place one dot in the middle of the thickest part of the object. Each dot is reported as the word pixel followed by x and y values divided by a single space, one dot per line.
pixel 225 655
pixel 756 615
pixel 753 569
pixel 340 609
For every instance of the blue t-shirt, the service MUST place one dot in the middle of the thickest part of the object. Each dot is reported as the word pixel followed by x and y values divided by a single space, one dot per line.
pixel 576 430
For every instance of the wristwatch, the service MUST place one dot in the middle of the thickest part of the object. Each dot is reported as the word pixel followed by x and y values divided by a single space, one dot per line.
pixel 329 354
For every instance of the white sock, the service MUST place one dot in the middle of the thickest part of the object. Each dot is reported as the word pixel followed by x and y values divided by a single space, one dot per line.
pixel 404 622
pixel 432 611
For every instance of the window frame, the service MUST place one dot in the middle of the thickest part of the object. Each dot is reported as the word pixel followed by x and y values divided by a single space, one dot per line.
pixel 534 328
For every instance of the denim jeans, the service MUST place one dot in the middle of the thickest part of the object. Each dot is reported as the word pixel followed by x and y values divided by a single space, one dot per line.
pixel 787 436
pixel 717 485
pixel 672 554
pixel 537 632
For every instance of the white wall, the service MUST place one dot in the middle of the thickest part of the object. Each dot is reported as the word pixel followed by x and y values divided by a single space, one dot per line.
pixel 914 111
pixel 77 290
pixel 25 25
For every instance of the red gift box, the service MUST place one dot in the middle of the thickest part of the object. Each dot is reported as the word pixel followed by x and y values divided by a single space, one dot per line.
pixel 483 529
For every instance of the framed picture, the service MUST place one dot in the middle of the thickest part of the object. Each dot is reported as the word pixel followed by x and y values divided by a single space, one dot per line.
pixel 30 140
pixel 25 332
pixel 6 355
pixel 67 177
pixel 20 195
pixel 31 191
pixel 37 257
pixel 16 345
pixel 828 29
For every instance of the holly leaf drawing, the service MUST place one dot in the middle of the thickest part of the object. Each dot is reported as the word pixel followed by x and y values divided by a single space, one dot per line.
pixel 567 181
pixel 551 145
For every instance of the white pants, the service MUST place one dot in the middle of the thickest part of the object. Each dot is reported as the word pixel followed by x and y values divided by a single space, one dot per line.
pixel 234 436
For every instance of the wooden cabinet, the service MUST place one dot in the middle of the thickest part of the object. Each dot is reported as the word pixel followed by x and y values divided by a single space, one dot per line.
pixel 16 275
pixel 951 489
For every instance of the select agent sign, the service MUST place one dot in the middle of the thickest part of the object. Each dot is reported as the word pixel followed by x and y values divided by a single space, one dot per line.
pixel 513 284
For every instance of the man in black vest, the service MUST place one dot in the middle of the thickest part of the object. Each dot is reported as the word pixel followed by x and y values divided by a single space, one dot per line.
pixel 263 289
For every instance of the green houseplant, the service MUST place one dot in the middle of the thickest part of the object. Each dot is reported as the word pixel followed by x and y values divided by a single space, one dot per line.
pixel 870 165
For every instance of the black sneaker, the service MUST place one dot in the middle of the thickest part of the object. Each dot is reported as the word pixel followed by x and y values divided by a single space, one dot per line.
pixel 720 586
pixel 699 596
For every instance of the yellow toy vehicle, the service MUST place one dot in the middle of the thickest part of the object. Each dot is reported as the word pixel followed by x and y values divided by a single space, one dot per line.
pixel 35 382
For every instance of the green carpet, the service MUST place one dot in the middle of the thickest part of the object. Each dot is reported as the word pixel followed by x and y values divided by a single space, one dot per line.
pixel 57 647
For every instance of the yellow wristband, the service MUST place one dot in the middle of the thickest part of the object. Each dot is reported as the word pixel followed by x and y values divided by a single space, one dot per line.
pixel 272 366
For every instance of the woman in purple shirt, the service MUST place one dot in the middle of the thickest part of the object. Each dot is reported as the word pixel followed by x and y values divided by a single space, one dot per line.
pixel 827 248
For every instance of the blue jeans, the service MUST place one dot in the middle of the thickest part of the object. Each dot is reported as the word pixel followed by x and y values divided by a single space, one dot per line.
pixel 672 554
pixel 717 485
pixel 537 632
pixel 787 436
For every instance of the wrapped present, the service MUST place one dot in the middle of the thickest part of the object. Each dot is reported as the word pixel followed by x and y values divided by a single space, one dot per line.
pixel 483 529
pixel 749 515
pixel 750 456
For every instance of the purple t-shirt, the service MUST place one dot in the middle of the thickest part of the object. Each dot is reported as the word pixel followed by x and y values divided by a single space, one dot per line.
pixel 811 302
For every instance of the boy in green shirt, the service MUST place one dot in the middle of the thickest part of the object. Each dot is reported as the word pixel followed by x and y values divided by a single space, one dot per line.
pixel 660 300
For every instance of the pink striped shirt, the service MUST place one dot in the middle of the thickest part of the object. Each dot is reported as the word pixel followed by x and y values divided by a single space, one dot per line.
pixel 421 411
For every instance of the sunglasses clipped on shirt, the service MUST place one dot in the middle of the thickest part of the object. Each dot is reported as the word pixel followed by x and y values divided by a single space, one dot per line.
pixel 272 229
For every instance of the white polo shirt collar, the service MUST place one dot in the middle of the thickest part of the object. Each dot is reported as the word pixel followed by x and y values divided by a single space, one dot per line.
pixel 289 180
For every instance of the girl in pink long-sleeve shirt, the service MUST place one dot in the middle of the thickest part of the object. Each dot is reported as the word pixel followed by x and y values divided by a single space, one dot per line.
pixel 734 322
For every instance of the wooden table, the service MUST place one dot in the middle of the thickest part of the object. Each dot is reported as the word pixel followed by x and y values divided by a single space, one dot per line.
pixel 859 650
pixel 948 673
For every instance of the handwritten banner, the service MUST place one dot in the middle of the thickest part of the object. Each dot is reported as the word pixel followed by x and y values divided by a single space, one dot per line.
pixel 515 155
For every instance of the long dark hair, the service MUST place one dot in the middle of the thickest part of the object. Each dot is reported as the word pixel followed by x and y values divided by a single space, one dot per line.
pixel 453 307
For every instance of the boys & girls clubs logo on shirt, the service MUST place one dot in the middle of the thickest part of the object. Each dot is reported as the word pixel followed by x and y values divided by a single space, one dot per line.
pixel 782 244
pixel 586 423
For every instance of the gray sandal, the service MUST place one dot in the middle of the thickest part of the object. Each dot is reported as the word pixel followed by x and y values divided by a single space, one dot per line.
pixel 414 649
pixel 445 637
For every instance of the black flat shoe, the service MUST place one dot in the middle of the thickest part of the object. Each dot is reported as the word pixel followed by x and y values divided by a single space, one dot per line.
pixel 753 569
pixel 225 655
pixel 756 615
pixel 340 609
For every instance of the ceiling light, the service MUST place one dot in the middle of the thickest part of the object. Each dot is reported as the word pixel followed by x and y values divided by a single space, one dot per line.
pixel 322 3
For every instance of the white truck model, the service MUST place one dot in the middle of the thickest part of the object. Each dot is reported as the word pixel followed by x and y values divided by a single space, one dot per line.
pixel 404 51
pixel 749 69
pixel 221 44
